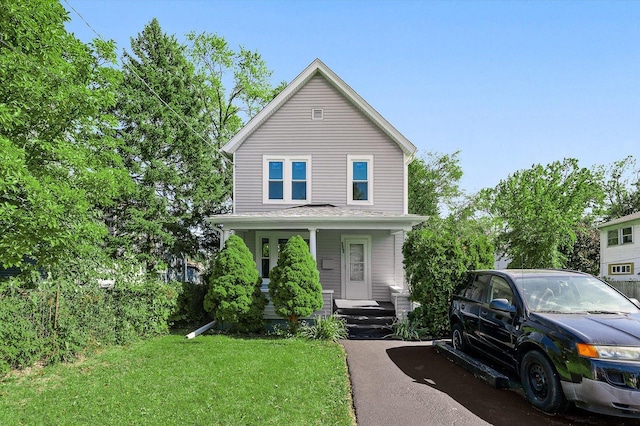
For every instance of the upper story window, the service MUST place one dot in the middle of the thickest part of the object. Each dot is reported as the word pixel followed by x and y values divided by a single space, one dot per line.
pixel 360 179
pixel 620 236
pixel 286 179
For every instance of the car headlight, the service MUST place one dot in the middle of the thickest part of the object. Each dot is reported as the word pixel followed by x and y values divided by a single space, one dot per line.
pixel 624 353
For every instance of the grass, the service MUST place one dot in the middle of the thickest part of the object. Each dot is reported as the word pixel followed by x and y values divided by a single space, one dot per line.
pixel 210 380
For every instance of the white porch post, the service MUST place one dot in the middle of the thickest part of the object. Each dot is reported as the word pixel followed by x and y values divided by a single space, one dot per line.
pixel 312 242
pixel 225 237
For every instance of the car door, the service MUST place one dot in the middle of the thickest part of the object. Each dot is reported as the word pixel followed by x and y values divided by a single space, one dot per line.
pixel 498 327
pixel 470 304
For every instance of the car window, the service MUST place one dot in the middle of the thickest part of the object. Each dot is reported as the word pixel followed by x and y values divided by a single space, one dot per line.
pixel 477 289
pixel 571 294
pixel 499 289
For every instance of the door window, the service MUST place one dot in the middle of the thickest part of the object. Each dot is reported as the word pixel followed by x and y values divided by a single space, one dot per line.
pixel 356 262
pixel 499 289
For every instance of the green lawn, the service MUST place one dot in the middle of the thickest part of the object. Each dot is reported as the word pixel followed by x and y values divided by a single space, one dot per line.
pixel 210 380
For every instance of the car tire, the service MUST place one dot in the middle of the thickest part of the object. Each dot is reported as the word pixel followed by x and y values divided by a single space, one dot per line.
pixel 541 383
pixel 457 337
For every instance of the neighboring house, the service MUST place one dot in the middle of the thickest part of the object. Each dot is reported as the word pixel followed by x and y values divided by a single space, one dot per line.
pixel 620 248
pixel 320 162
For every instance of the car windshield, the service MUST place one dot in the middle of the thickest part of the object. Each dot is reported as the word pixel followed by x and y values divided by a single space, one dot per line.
pixel 571 294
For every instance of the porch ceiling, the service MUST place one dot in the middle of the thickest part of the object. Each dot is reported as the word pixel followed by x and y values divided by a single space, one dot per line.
pixel 318 217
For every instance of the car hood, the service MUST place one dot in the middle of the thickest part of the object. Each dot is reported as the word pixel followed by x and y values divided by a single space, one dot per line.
pixel 602 329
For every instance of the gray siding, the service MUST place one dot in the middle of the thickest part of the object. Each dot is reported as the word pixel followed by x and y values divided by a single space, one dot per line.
pixel 386 267
pixel 345 130
pixel 382 265
pixel 328 249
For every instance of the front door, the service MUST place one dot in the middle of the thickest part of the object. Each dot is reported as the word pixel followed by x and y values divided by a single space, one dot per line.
pixel 357 275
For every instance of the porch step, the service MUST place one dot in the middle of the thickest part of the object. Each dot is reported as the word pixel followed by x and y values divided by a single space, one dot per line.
pixel 366 319
pixel 368 331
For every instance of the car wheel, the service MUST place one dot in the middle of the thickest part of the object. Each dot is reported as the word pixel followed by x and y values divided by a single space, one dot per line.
pixel 541 383
pixel 457 337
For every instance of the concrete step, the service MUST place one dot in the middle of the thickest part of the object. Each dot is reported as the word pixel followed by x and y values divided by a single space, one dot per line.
pixel 367 319
pixel 372 331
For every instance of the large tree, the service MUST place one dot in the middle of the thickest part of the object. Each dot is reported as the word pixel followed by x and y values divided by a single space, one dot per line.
pixel 538 211
pixel 176 113
pixel 166 149
pixel 434 183
pixel 621 184
pixel 237 87
pixel 58 161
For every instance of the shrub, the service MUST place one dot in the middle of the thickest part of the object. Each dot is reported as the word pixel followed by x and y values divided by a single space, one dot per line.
pixel 190 306
pixel 234 288
pixel 295 282
pixel 59 319
pixel 436 259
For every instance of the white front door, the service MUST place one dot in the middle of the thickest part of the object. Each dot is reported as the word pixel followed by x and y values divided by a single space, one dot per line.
pixel 357 270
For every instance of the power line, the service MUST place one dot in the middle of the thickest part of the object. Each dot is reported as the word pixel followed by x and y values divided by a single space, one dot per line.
pixel 153 92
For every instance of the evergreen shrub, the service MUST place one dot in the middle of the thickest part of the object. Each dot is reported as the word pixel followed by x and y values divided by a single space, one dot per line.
pixel 234 294
pixel 294 285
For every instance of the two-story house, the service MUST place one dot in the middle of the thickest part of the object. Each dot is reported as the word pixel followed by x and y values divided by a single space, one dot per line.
pixel 320 162
pixel 620 248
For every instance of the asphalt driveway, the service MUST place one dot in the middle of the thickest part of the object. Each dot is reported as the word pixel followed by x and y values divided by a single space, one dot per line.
pixel 409 383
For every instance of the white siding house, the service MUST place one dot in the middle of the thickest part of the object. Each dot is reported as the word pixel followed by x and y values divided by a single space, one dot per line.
pixel 320 162
pixel 620 248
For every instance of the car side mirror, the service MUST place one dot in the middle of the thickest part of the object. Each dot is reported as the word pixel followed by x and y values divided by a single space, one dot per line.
pixel 502 305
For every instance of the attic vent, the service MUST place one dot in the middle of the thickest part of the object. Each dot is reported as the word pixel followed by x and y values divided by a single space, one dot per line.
pixel 317 114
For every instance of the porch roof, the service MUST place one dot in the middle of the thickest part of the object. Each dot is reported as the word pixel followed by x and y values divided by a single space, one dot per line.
pixel 319 217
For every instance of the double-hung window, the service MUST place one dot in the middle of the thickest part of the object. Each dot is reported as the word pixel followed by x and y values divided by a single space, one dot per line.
pixel 286 179
pixel 620 236
pixel 360 179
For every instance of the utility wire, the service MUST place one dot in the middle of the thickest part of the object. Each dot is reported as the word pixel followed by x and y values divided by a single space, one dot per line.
pixel 153 92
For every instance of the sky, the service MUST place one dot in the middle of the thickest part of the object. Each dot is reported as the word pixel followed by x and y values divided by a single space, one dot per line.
pixel 508 84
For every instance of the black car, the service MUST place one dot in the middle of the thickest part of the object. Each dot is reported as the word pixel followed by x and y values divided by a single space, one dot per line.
pixel 570 336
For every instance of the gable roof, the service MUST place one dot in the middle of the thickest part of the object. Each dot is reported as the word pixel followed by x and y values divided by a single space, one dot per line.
pixel 623 219
pixel 315 68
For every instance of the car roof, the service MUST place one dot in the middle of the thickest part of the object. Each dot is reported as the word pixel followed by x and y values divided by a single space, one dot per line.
pixel 519 273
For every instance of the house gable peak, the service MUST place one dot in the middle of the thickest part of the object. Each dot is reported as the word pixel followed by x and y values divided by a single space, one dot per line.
pixel 315 68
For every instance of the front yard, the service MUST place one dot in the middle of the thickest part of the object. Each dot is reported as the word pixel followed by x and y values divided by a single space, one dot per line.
pixel 212 380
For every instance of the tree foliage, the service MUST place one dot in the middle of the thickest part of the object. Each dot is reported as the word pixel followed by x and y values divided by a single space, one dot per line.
pixel 166 150
pixel 436 257
pixel 294 285
pixel 538 210
pixel 433 182
pixel 585 254
pixel 234 288
pixel 58 161
pixel 621 185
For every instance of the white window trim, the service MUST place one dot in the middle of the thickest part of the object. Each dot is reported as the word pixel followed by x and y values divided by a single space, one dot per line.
pixel 319 112
pixel 287 178
pixel 620 236
pixel 350 160
pixel 273 237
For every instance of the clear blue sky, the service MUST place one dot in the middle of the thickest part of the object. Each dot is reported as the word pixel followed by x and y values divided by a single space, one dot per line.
pixel 509 84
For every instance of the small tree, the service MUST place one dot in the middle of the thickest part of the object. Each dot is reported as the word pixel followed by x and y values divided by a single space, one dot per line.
pixel 234 288
pixel 295 282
